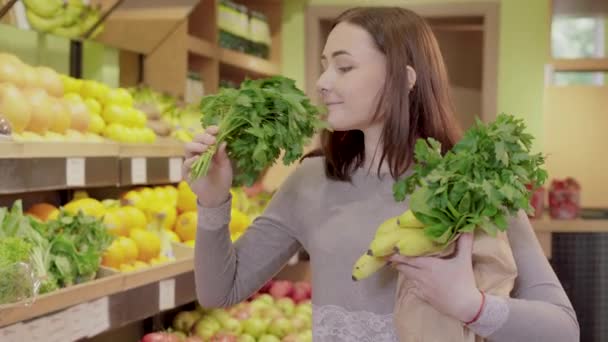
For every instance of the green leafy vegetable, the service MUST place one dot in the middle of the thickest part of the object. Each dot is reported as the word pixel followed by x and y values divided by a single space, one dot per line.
pixel 479 183
pixel 16 281
pixel 258 121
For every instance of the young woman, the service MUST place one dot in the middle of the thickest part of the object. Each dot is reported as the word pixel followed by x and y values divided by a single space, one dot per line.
pixel 385 85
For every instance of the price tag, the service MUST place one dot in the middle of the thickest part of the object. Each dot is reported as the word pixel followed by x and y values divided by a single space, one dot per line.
pixel 166 294
pixel 74 171
pixel 99 316
pixel 175 169
pixel 138 171
pixel 37 330
pixel 15 332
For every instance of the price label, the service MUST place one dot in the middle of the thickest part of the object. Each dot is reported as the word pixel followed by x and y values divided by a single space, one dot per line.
pixel 15 332
pixel 166 294
pixel 74 171
pixel 99 316
pixel 138 171
pixel 175 169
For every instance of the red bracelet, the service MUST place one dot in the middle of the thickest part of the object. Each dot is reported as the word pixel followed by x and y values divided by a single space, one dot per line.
pixel 483 301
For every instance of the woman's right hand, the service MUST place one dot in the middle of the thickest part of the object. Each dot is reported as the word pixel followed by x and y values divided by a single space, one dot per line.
pixel 213 189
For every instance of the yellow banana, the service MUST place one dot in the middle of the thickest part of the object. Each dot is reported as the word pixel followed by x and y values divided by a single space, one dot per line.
pixel 367 265
pixel 408 220
pixel 44 8
pixel 415 243
pixel 384 244
pixel 387 226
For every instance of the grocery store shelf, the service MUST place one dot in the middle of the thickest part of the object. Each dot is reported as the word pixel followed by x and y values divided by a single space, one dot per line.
pixel 51 149
pixel 109 286
pixel 248 64
pixel 547 225
pixel 40 166
pixel 201 47
pixel 163 147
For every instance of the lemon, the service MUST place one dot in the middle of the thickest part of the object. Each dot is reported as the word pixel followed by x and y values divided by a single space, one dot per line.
pixel 172 194
pixel 132 198
pixel 161 259
pixel 114 222
pixel 96 124
pixel 126 268
pixel 114 255
pixel 129 248
pixel 235 236
pixel 163 212
pixel 186 199
pixel 239 221
pixel 137 265
pixel 148 244
pixel 190 243
pixel 185 226
pixel 136 217
pixel 89 206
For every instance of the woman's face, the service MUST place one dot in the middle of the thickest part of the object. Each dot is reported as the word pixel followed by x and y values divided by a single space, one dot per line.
pixel 354 72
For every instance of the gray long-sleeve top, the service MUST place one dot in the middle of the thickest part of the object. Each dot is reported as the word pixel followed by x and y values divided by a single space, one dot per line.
pixel 335 221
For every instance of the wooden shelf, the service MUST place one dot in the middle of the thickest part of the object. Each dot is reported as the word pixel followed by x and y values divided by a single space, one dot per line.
pixel 163 147
pixel 202 48
pixel 247 63
pixel 41 166
pixel 547 225
pixel 10 149
pixel 104 304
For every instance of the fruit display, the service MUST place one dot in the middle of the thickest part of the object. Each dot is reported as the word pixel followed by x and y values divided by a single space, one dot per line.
pixel 42 105
pixel 446 200
pixel 272 314
pixel 167 116
pixel 40 256
pixel 71 19
pixel 564 199
pixel 537 201
pixel 112 113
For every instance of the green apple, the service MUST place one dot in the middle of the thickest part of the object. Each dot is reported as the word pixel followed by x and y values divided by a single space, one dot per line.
pixel 265 298
pixel 286 305
pixel 269 338
pixel 185 320
pixel 304 308
pixel 254 326
pixel 280 327
pixel 208 322
pixel 302 319
pixel 232 325
pixel 306 336
pixel 245 338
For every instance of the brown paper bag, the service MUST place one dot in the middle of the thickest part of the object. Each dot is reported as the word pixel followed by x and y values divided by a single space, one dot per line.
pixel 495 273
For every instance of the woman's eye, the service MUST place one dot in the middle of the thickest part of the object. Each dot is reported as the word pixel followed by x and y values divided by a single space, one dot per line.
pixel 345 69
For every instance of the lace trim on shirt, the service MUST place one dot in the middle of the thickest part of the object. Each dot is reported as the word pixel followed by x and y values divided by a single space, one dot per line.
pixel 494 315
pixel 333 323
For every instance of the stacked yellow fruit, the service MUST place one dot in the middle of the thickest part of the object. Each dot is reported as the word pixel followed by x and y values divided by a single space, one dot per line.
pixel 111 111
pixel 32 99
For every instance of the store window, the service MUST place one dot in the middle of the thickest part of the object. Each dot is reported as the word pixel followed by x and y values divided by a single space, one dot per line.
pixel 579 43
pixel 582 38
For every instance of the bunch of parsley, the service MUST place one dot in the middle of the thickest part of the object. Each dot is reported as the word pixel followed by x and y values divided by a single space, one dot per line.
pixel 478 183
pixel 258 121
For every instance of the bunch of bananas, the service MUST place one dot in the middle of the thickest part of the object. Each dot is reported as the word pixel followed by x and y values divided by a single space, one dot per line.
pixel 402 234
pixel 71 18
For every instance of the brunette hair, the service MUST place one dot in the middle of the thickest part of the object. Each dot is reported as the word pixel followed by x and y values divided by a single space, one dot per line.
pixel 405 38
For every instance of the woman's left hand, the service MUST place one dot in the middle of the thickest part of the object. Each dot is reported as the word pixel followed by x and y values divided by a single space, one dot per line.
pixel 447 284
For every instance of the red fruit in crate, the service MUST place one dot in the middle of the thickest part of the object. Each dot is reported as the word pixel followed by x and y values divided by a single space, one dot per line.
pixel 160 337
pixel 266 287
pixel 193 339
pixel 301 291
pixel 281 288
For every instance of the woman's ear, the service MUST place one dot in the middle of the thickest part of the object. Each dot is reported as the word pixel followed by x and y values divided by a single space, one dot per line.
pixel 411 77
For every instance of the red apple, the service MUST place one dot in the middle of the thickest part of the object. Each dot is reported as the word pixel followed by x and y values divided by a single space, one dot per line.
pixel 223 337
pixel 281 289
pixel 266 287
